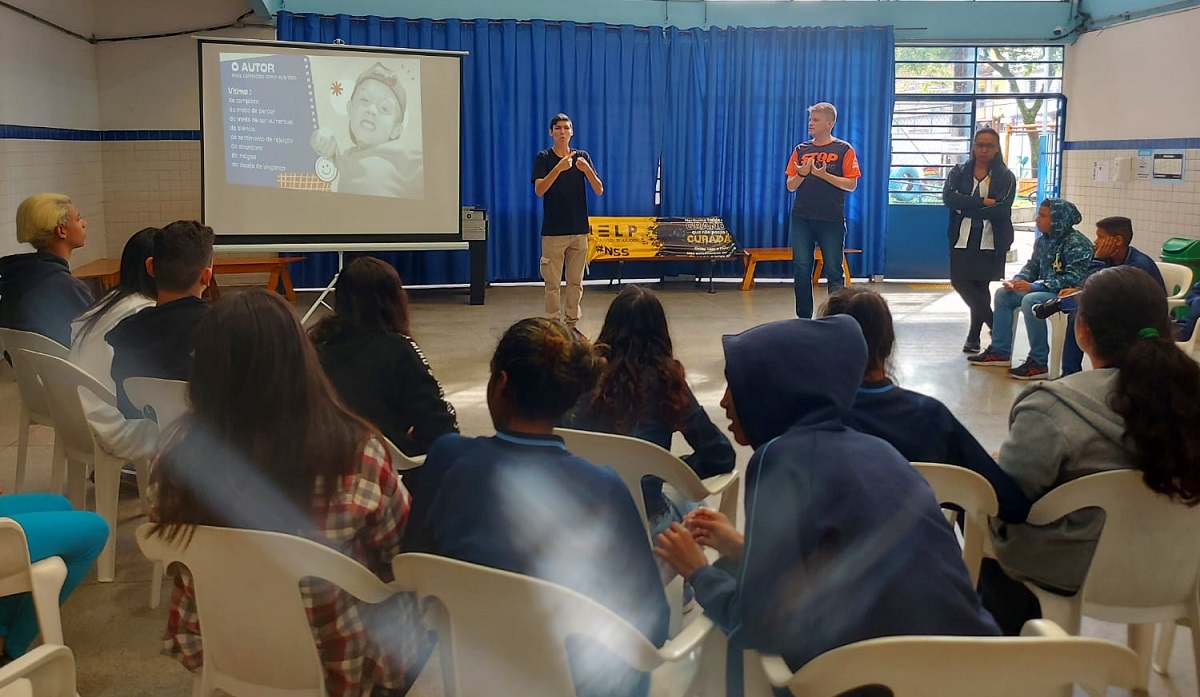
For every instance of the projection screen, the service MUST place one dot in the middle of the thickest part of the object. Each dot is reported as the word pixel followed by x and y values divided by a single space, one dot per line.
pixel 312 143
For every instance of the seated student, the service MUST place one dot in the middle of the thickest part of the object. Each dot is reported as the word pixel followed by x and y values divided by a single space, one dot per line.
pixel 311 469
pixel 1060 259
pixel 518 501
pixel 369 355
pixel 131 439
pixel 52 529
pixel 157 342
pixel 643 393
pixel 1113 248
pixel 917 425
pixel 37 291
pixel 844 540
pixel 1136 409
pixel 1185 325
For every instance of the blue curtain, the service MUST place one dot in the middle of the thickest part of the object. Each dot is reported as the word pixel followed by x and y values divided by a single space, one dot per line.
pixel 609 79
pixel 721 109
pixel 737 100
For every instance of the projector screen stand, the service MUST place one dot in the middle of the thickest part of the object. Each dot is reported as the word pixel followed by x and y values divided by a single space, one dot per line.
pixel 328 289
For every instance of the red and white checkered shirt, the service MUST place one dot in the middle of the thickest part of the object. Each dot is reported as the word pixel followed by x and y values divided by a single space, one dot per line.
pixel 361 645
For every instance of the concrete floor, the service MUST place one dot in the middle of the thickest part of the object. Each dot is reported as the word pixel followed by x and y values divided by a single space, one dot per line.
pixel 116 638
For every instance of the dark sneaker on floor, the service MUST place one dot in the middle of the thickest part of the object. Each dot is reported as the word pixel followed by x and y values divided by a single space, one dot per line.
pixel 990 358
pixel 1029 370
pixel 971 346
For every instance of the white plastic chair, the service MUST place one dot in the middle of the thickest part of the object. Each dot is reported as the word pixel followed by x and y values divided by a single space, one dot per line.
pixel 35 409
pixel 1044 659
pixel 1057 339
pixel 1147 562
pixel 257 639
pixel 400 461
pixel 63 381
pixel 974 494
pixel 162 401
pixel 1178 280
pixel 43 580
pixel 503 634
pixel 634 458
pixel 47 671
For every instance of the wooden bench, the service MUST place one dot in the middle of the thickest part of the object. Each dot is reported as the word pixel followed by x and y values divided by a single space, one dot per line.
pixel 757 254
pixel 108 272
pixel 711 261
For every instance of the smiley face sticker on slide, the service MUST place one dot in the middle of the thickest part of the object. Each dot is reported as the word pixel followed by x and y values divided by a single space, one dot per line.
pixel 326 170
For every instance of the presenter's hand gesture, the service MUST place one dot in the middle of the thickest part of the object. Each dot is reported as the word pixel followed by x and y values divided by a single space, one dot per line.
pixel 677 548
pixel 323 143
pixel 713 529
pixel 583 165
pixel 565 163
pixel 805 168
pixel 818 168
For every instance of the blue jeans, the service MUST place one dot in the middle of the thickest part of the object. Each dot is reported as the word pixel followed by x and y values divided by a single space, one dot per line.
pixel 1006 302
pixel 52 529
pixel 830 236
pixel 1072 355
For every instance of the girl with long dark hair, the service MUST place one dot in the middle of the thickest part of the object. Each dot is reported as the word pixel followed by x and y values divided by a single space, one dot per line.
pixel 369 354
pixel 1136 409
pixel 979 194
pixel 644 393
pixel 133 439
pixel 268 446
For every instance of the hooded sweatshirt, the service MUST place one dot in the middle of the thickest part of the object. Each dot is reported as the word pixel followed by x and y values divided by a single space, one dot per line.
pixel 38 294
pixel 1060 257
pixel 844 539
pixel 1058 431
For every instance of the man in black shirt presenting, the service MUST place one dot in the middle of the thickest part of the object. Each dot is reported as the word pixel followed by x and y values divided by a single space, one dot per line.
pixel 558 177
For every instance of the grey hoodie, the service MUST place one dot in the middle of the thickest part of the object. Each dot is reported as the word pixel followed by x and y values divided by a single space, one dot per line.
pixel 1058 431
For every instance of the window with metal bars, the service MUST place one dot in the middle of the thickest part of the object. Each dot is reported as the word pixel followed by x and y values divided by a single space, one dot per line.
pixel 945 93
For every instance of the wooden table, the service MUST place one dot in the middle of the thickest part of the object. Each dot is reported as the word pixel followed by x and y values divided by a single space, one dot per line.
pixel 108 272
pixel 757 254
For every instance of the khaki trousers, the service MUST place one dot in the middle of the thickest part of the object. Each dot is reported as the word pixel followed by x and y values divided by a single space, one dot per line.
pixel 559 252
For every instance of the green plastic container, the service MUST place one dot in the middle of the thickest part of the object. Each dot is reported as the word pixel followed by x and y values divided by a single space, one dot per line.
pixel 1185 252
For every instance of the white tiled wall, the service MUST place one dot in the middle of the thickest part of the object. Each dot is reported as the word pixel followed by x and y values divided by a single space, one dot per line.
pixel 70 167
pixel 149 183
pixel 1158 211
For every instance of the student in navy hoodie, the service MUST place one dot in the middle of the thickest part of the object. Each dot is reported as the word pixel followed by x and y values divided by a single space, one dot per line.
pixel 844 540
pixel 37 291
pixel 917 425
pixel 518 501
pixel 158 341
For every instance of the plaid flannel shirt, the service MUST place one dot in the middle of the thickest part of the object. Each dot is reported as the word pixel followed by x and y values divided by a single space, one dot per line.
pixel 361 645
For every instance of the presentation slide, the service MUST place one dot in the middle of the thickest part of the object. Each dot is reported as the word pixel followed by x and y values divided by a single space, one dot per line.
pixel 313 141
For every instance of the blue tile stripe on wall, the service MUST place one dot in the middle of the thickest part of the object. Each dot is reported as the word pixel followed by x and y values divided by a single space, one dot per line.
pixel 16 132
pixel 1136 144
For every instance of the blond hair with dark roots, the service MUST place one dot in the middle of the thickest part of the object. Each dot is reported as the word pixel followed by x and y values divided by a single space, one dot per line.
pixel 39 216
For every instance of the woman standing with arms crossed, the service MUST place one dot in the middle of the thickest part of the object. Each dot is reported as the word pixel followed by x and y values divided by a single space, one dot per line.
pixel 979 194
